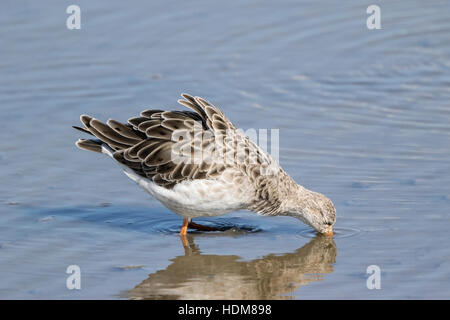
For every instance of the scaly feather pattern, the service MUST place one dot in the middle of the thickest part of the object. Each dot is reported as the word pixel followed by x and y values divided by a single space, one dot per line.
pixel 150 143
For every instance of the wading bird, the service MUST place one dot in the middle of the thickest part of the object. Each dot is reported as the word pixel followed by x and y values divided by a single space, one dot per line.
pixel 198 164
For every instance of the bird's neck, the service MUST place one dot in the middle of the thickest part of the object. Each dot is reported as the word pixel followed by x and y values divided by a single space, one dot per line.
pixel 277 195
pixel 290 192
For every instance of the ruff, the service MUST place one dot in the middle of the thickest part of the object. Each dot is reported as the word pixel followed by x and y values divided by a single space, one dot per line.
pixel 197 163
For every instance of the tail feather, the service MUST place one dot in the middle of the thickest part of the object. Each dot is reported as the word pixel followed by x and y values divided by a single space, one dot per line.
pixel 90 144
pixel 115 136
pixel 82 130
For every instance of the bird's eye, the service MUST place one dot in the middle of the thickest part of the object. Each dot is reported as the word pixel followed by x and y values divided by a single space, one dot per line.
pixel 328 223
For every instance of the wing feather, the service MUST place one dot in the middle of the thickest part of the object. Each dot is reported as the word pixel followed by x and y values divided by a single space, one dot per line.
pixel 146 144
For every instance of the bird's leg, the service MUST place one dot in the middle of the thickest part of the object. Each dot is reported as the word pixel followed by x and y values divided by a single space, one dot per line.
pixel 184 227
pixel 193 225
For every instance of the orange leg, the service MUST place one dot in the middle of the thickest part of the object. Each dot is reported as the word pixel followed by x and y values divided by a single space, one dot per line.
pixel 184 227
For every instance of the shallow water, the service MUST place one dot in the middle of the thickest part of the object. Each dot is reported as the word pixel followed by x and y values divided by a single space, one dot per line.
pixel 363 116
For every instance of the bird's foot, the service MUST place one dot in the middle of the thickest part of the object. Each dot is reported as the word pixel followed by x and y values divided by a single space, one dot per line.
pixel 201 227
pixel 187 223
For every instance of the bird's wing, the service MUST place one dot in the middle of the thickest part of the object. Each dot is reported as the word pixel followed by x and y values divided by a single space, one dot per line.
pixel 164 145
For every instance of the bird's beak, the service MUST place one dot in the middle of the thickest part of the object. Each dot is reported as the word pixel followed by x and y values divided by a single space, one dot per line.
pixel 329 232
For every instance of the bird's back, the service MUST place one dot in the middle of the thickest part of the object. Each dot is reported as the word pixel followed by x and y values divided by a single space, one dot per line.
pixel 195 162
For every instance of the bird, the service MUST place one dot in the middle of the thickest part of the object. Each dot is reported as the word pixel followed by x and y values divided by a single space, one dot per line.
pixel 198 164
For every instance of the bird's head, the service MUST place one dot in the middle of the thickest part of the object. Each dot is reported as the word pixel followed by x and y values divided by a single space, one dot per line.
pixel 314 209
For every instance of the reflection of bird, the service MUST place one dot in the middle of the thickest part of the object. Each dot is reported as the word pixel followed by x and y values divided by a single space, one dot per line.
pixel 197 276
pixel 198 164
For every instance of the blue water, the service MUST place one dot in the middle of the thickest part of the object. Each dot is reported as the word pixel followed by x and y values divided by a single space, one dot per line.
pixel 364 117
